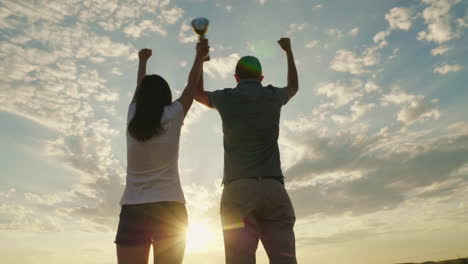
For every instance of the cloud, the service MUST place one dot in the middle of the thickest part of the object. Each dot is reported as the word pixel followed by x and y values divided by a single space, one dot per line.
pixel 262 2
pixel 193 116
pixel 358 109
pixel 311 44
pixel 418 111
pixel 399 18
pixel 341 93
pixel 17 215
pixel 111 15
pixel 440 50
pixel 294 28
pixel 414 107
pixel 360 174
pixel 116 71
pixel 183 63
pixel 55 86
pixel 347 61
pixel 380 38
pixel 185 33
pixel 46 199
pixel 462 22
pixel 354 31
pixel 101 198
pixel 171 16
pixel 448 68
pixel 144 27
pixel 221 66
pixel 317 6
pixel 438 19
pixel 370 86
pixel 334 32
pixel 201 198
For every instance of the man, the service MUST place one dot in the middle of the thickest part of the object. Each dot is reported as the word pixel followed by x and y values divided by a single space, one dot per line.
pixel 254 203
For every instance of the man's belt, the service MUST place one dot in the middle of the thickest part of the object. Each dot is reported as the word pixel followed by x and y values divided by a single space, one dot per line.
pixel 259 178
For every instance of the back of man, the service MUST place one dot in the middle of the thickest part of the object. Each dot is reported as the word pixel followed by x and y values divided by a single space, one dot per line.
pixel 254 205
pixel 250 115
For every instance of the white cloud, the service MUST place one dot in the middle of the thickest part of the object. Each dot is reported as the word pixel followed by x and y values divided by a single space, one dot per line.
pixel 294 28
pixel 399 18
pixel 262 2
pixel 183 63
pixel 347 61
pixel 46 199
pixel 358 110
pixel 193 116
pixel 341 93
pixel 228 8
pixel 380 38
pixel 447 68
pixel 440 50
pixel 222 66
pixel 116 71
pixel 352 172
pixel 163 3
pixel 370 86
pixel 144 27
pixel 462 22
pixel 398 96
pixel 201 198
pixel 19 216
pixel 317 6
pixel 438 19
pixel 171 16
pixel 311 44
pixel 186 34
pixel 334 32
pixel 354 31
pixel 56 88
pixel 414 107
pixel 419 110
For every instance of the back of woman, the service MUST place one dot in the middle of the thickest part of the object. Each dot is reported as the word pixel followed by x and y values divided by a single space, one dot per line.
pixel 153 206
pixel 152 165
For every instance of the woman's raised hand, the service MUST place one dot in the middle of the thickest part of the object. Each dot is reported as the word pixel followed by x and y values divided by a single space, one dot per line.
pixel 144 54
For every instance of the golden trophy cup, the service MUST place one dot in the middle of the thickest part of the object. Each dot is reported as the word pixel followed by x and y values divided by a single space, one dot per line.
pixel 200 27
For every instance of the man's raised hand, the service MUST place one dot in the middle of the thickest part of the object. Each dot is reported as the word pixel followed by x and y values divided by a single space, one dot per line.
pixel 144 54
pixel 285 44
pixel 203 48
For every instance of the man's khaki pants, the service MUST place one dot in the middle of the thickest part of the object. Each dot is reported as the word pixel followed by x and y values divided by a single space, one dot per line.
pixel 253 210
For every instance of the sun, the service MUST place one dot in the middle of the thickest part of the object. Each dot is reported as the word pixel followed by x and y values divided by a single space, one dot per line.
pixel 200 236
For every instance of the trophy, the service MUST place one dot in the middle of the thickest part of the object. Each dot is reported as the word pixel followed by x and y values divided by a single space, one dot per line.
pixel 200 26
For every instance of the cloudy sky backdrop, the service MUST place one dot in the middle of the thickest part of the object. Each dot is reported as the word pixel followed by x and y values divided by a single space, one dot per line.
pixel 374 146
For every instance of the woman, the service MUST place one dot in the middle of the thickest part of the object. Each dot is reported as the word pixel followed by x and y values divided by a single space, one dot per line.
pixel 153 205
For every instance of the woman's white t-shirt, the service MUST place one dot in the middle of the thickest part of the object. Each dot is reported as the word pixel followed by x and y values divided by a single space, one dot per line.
pixel 152 165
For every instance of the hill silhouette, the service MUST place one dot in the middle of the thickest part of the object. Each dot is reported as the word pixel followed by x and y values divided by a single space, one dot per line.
pixel 453 261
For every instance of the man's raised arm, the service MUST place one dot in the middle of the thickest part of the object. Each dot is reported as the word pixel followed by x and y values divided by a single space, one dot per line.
pixel 200 95
pixel 293 82
pixel 189 92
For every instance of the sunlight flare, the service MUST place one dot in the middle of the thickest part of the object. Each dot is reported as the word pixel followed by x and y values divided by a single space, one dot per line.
pixel 200 236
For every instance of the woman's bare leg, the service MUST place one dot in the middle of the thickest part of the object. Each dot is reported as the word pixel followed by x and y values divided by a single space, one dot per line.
pixel 133 254
pixel 169 251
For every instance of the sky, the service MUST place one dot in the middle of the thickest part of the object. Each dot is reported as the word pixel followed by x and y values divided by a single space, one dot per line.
pixel 374 146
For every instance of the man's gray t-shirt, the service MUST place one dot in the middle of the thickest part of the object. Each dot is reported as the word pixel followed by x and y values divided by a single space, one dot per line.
pixel 250 114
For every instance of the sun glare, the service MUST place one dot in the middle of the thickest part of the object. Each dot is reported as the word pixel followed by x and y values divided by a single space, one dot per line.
pixel 199 236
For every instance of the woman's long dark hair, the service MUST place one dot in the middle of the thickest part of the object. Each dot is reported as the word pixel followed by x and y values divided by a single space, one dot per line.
pixel 150 98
